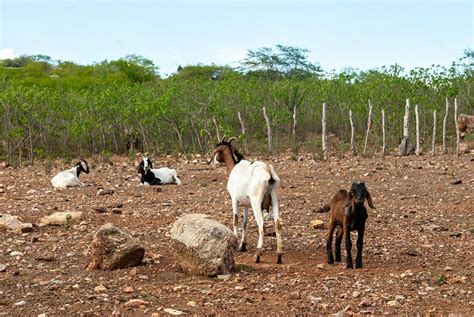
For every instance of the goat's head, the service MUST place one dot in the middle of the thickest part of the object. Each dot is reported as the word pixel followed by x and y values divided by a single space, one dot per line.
pixel 223 148
pixel 82 166
pixel 145 165
pixel 359 193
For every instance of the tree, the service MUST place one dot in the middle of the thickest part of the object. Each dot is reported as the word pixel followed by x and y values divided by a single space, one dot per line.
pixel 283 60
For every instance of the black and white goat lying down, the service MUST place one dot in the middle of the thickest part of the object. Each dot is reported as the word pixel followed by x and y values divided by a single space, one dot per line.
pixel 70 177
pixel 159 176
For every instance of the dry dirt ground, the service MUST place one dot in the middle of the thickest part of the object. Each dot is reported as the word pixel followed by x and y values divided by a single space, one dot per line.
pixel 418 252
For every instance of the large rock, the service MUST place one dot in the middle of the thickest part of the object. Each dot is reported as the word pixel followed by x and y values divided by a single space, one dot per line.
pixel 204 246
pixel 61 218
pixel 10 222
pixel 114 249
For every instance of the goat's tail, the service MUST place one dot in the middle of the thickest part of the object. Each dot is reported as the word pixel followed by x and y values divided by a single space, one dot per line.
pixel 325 208
pixel 274 179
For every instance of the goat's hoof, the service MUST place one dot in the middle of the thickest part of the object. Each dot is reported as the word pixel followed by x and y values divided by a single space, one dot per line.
pixel 349 266
pixel 257 259
pixel 279 259
pixel 330 261
pixel 338 259
pixel 358 265
pixel 243 247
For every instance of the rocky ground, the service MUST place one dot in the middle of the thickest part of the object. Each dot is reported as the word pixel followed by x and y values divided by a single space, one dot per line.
pixel 417 257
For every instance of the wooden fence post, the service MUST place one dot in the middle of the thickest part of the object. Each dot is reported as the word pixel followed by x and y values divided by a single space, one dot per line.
pixel 353 150
pixel 323 133
pixel 242 126
pixel 445 145
pixel 406 146
pixel 384 145
pixel 369 119
pixel 269 130
pixel 458 135
pixel 433 142
pixel 417 123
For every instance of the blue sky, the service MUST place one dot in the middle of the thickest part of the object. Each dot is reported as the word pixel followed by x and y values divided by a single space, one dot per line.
pixel 360 34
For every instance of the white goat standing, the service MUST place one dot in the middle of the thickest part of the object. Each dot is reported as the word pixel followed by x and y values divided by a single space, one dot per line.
pixel 250 184
pixel 70 177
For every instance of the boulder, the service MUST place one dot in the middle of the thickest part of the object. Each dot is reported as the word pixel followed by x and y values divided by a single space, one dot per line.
pixel 61 218
pixel 114 249
pixel 203 246
pixel 10 222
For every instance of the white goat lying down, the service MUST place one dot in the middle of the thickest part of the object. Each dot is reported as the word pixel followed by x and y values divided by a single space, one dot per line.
pixel 70 177
pixel 159 176
pixel 250 184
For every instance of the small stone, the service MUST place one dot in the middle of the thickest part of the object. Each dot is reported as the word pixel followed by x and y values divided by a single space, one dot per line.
pixel 317 224
pixel 355 294
pixel 16 253
pixel 399 298
pixel 100 288
pixel 456 182
pixel 20 303
pixel 34 239
pixel 223 277
pixel 429 288
pixel 173 312
pixel 239 287
pixel 320 266
pixel 365 302
pixel 100 210
pixel 143 277
pixel 135 303
pixel 42 315
pixel 191 303
pixel 448 268
pixel 128 289
pixel 117 211
pixel 393 303
pixel 3 268
pixel 102 192
pixel 295 295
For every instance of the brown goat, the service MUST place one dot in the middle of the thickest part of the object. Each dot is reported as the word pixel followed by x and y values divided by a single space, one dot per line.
pixel 347 213
pixel 465 122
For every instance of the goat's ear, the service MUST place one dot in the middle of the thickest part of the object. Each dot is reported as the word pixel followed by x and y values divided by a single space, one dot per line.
pixel 139 157
pixel 369 199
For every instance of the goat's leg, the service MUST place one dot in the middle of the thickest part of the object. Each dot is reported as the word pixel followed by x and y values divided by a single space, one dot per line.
pixel 360 243
pixel 276 218
pixel 329 242
pixel 243 242
pixel 347 236
pixel 235 212
pixel 257 212
pixel 339 234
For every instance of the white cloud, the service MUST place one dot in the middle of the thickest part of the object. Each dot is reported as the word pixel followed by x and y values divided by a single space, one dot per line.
pixel 7 53
pixel 229 55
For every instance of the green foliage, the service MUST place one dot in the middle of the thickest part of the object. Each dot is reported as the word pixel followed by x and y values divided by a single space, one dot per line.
pixel 442 279
pixel 59 108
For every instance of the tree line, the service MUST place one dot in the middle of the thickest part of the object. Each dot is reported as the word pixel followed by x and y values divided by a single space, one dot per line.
pixel 55 108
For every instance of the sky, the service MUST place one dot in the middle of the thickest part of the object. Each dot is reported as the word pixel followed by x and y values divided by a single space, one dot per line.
pixel 359 34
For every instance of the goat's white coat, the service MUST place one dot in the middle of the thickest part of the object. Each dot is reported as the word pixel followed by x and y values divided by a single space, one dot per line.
pixel 247 185
pixel 166 175
pixel 67 178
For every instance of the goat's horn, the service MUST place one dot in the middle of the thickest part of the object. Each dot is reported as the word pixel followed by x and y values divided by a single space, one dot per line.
pixel 212 156
pixel 223 139
pixel 232 139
